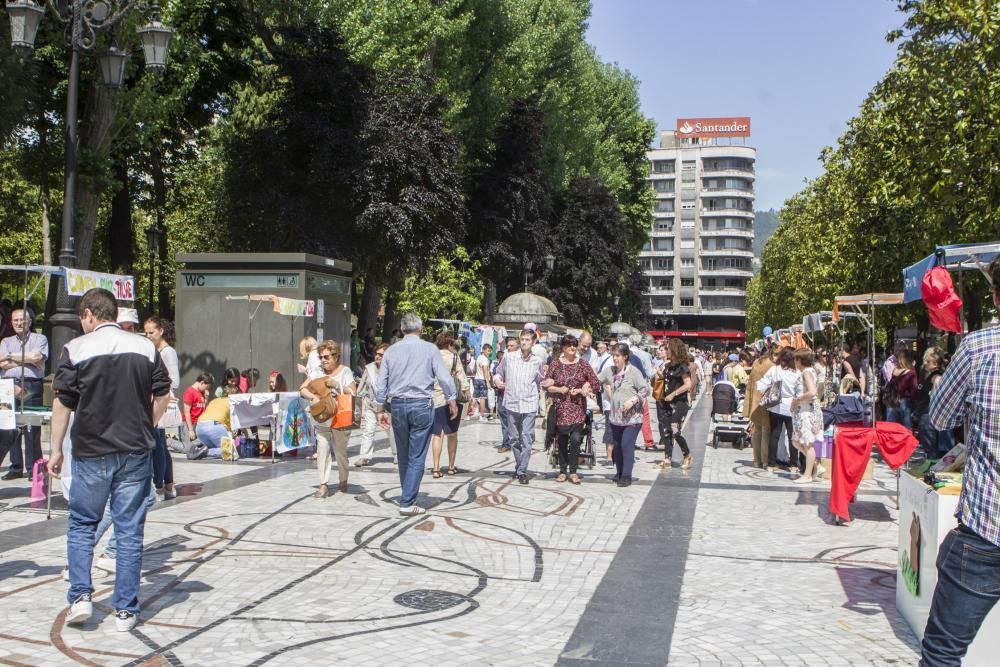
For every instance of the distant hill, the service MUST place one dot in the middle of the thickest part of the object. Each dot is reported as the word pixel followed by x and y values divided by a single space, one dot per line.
pixel 764 224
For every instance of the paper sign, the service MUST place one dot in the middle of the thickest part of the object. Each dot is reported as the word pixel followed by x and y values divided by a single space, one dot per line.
pixel 78 282
pixel 295 307
pixel 7 422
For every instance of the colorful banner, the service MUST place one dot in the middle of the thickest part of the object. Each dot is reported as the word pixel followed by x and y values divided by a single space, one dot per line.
pixel 294 307
pixel 78 282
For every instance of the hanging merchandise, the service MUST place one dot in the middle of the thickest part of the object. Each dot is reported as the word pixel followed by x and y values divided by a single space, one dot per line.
pixel 944 307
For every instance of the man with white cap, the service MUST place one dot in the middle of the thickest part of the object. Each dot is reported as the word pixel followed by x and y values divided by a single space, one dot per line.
pixel 128 319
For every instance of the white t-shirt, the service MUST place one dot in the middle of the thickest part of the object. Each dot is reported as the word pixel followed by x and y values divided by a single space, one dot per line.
pixel 482 367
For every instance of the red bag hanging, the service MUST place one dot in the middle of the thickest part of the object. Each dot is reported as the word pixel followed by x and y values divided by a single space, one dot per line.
pixel 943 305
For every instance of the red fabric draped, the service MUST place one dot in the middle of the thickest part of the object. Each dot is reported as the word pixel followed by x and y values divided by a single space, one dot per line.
pixel 852 448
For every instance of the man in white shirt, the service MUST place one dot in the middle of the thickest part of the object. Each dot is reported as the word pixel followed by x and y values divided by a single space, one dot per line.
pixel 520 375
pixel 586 351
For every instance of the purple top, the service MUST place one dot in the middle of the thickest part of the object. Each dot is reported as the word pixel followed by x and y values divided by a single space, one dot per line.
pixel 12 345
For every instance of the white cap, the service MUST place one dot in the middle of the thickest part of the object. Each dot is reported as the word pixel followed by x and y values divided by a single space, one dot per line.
pixel 126 315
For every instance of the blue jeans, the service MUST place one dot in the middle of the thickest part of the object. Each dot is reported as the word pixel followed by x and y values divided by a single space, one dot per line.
pixel 900 414
pixel 111 548
pixel 411 426
pixel 968 586
pixel 124 479
pixel 211 435
pixel 163 465
pixel 521 427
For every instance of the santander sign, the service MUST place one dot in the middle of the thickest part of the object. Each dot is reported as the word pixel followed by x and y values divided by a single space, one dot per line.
pixel 706 128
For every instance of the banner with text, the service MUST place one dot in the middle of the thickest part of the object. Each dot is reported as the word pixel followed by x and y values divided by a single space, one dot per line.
pixel 78 282
pixel 295 307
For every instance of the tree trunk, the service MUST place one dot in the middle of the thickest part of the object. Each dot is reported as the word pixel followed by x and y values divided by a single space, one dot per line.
pixel 371 298
pixel 166 307
pixel 95 140
pixel 390 322
pixel 121 236
pixel 489 302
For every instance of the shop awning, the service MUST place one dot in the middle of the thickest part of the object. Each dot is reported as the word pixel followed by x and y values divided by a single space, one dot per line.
pixel 958 257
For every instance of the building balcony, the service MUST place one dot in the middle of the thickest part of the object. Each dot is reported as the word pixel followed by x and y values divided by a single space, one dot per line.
pixel 661 233
pixel 728 173
pixel 726 252
pixel 727 192
pixel 736 233
pixel 658 291
pixel 722 290
pixel 709 212
pixel 726 273
pixel 724 310
pixel 658 273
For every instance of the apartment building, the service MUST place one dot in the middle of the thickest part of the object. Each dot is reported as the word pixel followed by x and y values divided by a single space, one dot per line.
pixel 700 252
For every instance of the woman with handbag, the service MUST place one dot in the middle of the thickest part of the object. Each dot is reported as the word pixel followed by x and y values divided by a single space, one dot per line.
pixel 677 386
pixel 322 393
pixel 777 389
pixel 627 390
pixel 161 332
pixel 569 381
pixel 443 424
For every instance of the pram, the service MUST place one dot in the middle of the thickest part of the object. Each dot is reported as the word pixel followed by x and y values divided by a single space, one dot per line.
pixel 730 426
pixel 587 456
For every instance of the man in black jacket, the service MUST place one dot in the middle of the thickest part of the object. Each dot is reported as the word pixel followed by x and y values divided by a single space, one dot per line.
pixel 117 387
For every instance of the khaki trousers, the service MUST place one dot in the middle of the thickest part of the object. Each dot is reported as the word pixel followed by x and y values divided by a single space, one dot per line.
pixel 761 437
pixel 330 444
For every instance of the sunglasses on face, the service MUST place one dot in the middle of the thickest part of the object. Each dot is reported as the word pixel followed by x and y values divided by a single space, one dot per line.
pixel 379 356
pixel 326 356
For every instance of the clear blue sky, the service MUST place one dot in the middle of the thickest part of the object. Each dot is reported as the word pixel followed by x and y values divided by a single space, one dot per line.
pixel 799 68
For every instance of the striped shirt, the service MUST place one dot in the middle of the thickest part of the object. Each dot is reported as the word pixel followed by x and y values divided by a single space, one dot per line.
pixel 522 378
pixel 970 387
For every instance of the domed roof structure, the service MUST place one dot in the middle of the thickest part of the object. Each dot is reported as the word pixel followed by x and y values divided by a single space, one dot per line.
pixel 518 309
pixel 622 329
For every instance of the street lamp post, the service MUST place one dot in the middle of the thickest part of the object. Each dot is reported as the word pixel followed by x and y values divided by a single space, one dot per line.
pixel 550 262
pixel 84 21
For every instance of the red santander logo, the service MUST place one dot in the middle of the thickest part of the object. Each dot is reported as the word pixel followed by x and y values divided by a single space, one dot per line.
pixel 707 128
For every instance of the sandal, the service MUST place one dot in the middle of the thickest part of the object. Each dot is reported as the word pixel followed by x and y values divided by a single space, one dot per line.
pixel 437 473
pixel 322 492
pixel 574 479
pixel 561 478
pixel 362 463
pixel 452 470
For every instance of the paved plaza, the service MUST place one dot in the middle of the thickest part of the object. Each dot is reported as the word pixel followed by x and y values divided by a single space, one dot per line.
pixel 719 565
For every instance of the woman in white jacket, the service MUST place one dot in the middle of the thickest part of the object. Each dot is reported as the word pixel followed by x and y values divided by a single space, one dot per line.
pixel 781 413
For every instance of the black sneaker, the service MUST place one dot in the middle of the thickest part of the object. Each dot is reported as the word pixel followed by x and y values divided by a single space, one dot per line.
pixel 523 479
pixel 625 481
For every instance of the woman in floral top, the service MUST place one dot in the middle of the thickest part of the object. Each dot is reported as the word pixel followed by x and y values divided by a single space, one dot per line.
pixel 628 391
pixel 569 381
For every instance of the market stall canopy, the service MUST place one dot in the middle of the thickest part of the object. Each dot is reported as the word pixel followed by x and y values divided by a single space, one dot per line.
pixel 958 257
pixel 817 321
pixel 861 300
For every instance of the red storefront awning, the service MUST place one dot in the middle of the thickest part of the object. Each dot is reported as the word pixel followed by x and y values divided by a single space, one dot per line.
pixel 738 335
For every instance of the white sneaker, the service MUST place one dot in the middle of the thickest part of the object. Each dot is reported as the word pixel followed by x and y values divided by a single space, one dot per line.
pixel 412 510
pixel 483 418
pixel 105 563
pixel 820 470
pixel 80 610
pixel 125 620
pixel 65 573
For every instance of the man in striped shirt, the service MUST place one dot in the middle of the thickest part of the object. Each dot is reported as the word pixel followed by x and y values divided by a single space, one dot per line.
pixel 968 562
pixel 520 376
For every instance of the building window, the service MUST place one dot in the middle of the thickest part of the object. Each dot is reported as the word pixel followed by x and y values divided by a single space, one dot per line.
pixel 687 303
pixel 687 282
pixel 667 226
pixel 663 263
pixel 665 283
pixel 664 186
pixel 664 206
pixel 687 261
pixel 663 166
pixel 687 223
pixel 687 244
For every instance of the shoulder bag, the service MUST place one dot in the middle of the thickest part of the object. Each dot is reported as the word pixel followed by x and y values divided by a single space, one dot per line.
pixel 348 414
pixel 326 405
pixel 772 395
pixel 462 392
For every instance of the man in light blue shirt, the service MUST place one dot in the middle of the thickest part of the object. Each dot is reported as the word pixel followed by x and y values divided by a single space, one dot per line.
pixel 409 369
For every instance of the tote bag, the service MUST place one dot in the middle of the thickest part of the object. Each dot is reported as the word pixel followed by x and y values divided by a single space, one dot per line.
pixel 772 395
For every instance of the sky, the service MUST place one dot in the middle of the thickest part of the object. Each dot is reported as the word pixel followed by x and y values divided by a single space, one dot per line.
pixel 799 68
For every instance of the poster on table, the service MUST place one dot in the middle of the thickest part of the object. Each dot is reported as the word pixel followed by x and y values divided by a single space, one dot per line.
pixel 78 282
pixel 7 421
pixel 246 410
pixel 296 427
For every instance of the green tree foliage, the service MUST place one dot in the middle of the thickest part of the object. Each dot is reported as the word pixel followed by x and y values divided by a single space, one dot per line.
pixel 917 167
pixel 588 260
pixel 451 289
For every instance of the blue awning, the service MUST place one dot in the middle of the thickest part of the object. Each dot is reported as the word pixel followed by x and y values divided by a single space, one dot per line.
pixel 958 257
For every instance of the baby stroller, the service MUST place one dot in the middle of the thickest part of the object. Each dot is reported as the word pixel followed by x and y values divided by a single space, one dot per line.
pixel 587 455
pixel 730 426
